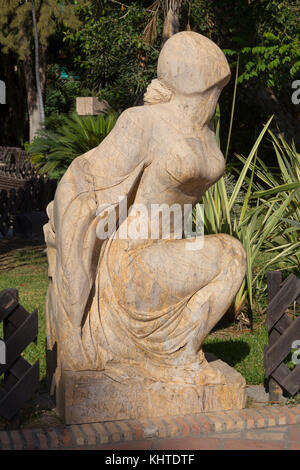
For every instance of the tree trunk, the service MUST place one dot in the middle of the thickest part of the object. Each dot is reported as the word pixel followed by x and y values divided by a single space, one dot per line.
pixel 32 99
pixel 33 106
pixel 37 65
pixel 43 68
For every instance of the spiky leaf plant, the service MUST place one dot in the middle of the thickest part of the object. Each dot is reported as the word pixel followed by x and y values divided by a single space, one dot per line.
pixel 52 151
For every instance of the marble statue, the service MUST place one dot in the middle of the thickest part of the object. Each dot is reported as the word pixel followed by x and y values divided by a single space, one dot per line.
pixel 128 315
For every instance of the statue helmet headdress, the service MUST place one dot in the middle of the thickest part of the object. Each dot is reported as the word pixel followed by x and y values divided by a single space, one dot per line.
pixel 191 63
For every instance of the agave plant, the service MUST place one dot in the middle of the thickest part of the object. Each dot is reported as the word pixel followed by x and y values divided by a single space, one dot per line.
pixel 275 189
pixel 260 221
pixel 52 151
pixel 220 217
pixel 259 224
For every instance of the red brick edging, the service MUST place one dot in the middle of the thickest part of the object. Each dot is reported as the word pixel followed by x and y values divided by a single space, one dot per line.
pixel 201 424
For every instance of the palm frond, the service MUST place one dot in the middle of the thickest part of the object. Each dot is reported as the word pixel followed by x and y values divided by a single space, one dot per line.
pixel 53 151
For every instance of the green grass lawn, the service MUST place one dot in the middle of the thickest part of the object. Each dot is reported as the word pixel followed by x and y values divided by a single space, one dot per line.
pixel 244 352
pixel 28 273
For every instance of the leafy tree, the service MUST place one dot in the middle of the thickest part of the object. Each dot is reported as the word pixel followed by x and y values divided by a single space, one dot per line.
pixel 264 34
pixel 60 96
pixel 119 46
pixel 17 27
pixel 113 59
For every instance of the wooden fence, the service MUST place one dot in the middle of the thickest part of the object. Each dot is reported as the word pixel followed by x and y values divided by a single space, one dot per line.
pixel 21 379
pixel 283 332
pixel 22 189
pixel 15 164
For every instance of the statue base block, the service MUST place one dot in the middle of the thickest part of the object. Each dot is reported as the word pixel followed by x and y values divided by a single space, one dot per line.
pixel 89 396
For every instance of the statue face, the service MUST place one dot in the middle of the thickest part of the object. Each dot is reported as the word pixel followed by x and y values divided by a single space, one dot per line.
pixel 190 63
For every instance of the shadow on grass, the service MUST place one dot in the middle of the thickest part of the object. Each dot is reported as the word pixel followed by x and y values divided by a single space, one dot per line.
pixel 15 253
pixel 38 411
pixel 8 245
pixel 231 352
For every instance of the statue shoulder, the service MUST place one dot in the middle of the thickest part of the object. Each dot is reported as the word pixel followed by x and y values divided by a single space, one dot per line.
pixel 137 118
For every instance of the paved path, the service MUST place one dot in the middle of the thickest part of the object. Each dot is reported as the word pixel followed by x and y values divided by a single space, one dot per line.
pixel 264 427
pixel 275 438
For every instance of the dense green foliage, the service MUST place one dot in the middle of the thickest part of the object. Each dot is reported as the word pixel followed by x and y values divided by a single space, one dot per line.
pixel 113 59
pixel 26 59
pixel 60 94
pixel 264 33
pixel 114 52
pixel 16 23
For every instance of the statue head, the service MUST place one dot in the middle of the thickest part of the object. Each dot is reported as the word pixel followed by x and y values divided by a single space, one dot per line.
pixel 190 63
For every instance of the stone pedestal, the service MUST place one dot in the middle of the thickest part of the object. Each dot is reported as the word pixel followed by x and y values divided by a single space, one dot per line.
pixel 87 396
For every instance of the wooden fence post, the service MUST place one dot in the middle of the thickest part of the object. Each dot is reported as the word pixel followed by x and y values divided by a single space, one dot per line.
pixel 283 331
pixel 273 281
pixel 21 379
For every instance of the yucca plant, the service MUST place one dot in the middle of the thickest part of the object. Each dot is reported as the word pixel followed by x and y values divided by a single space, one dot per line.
pixel 275 188
pixel 258 222
pixel 52 151
pixel 221 218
